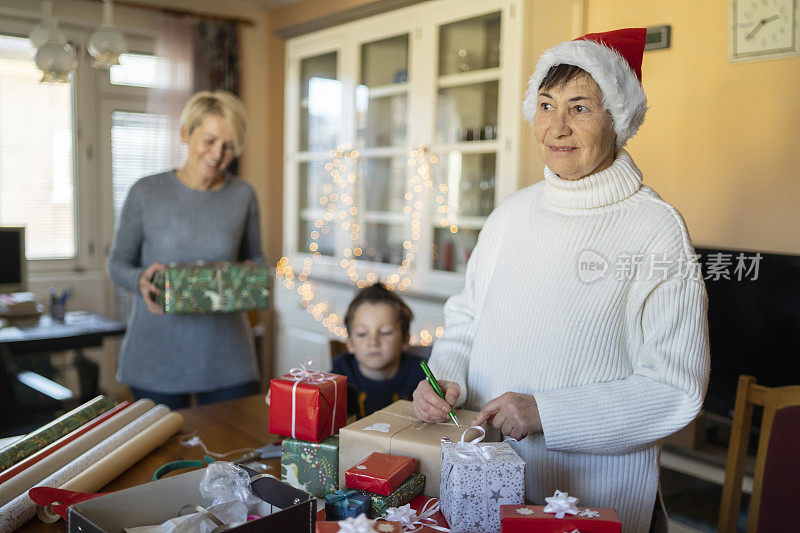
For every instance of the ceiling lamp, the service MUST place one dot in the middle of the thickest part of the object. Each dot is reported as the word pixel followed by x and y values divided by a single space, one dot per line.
pixel 40 33
pixel 55 58
pixel 107 42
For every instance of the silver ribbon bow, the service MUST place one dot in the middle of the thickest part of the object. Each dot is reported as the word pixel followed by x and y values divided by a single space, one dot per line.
pixel 472 450
pixel 410 521
pixel 361 524
pixel 561 504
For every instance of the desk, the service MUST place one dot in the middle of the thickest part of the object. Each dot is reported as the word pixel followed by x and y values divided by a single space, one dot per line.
pixel 79 330
pixel 223 426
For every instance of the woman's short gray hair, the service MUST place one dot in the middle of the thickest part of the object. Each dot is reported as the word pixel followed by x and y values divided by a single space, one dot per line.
pixel 222 103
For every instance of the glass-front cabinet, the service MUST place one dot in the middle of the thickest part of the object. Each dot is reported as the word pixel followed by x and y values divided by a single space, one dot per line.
pixel 401 136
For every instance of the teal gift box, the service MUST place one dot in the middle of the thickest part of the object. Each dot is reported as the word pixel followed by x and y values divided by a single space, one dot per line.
pixel 341 505
pixel 311 466
pixel 221 287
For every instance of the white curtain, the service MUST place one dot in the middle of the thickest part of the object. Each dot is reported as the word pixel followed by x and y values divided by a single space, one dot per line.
pixel 174 48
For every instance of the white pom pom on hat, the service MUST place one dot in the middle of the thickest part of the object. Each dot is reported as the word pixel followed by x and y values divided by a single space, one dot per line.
pixel 614 60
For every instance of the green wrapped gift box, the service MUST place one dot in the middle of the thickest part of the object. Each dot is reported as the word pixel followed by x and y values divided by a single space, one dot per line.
pixel 407 491
pixel 213 288
pixel 311 466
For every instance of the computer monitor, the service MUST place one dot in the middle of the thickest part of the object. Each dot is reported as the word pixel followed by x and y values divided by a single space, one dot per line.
pixel 13 266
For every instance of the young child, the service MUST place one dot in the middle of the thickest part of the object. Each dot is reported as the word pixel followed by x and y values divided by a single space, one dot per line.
pixel 379 371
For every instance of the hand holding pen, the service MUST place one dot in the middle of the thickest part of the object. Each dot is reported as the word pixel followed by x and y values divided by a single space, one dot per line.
pixel 429 406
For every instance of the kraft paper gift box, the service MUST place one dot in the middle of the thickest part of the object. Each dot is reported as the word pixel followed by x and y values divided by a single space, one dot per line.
pixel 213 288
pixel 476 480
pixel 308 405
pixel 534 519
pixel 311 466
pixel 396 430
pixel 158 501
pixel 361 525
pixel 380 473
pixel 407 491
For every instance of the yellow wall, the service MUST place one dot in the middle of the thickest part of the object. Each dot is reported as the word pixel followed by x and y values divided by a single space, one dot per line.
pixel 721 141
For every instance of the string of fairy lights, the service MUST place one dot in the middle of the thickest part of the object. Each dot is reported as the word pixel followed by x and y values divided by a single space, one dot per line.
pixel 341 205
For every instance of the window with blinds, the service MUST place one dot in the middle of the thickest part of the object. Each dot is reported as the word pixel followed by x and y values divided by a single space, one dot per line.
pixel 138 148
pixel 37 177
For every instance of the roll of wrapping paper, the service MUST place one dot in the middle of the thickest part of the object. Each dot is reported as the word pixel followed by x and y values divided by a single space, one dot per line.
pixel 50 464
pixel 33 442
pixel 60 443
pixel 21 509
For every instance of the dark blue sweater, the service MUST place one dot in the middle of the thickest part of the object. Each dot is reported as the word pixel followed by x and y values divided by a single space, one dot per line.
pixel 365 396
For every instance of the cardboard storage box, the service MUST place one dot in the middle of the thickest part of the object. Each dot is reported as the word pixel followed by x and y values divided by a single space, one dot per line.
pixel 156 502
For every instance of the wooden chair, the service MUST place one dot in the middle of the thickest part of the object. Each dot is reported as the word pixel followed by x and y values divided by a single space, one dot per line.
pixel 777 469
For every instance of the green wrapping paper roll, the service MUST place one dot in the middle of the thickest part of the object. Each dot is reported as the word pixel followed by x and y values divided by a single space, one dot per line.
pixel 407 491
pixel 46 435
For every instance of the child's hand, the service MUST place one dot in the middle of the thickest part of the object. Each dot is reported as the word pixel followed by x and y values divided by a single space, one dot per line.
pixel 429 407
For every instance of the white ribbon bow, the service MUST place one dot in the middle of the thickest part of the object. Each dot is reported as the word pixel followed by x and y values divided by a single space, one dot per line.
pixel 361 524
pixel 471 449
pixel 300 374
pixel 409 518
pixel 561 503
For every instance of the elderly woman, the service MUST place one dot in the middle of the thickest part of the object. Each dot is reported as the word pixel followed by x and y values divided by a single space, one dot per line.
pixel 581 330
pixel 195 213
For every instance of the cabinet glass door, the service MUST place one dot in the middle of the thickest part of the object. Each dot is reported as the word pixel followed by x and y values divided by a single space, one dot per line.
pixel 381 107
pixel 320 122
pixel 468 88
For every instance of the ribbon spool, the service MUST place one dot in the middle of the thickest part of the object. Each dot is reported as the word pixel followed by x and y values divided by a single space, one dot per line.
pixel 408 517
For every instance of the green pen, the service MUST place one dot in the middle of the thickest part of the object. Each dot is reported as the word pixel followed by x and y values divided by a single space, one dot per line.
pixel 437 388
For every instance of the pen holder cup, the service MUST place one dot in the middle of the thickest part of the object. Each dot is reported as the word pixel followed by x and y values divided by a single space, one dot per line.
pixel 57 310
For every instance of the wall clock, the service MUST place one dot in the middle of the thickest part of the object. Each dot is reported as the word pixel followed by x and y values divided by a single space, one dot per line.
pixel 763 29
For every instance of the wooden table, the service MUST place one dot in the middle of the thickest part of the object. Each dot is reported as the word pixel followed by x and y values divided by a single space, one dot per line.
pixel 223 426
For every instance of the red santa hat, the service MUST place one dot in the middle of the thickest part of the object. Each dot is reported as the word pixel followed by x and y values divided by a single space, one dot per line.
pixel 614 60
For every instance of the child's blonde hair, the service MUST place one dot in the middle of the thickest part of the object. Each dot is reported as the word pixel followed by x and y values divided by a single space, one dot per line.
pixel 379 294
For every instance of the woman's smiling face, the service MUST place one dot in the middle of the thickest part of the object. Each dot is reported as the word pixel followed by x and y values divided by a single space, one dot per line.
pixel 574 133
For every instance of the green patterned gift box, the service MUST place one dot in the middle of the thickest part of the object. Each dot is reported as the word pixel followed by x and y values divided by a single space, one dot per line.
pixel 311 466
pixel 213 288
pixel 407 491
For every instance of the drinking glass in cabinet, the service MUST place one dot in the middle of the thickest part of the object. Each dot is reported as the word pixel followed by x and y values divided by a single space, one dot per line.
pixel 320 103
pixel 470 181
pixel 382 183
pixel 467 113
pixel 472 44
pixel 451 251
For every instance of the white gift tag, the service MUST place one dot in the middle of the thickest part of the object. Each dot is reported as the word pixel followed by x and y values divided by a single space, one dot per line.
pixel 380 426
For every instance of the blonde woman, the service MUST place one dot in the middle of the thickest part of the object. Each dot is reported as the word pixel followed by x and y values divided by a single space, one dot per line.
pixel 197 212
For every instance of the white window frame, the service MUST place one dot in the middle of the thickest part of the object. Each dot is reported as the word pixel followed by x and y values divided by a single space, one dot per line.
pixel 92 94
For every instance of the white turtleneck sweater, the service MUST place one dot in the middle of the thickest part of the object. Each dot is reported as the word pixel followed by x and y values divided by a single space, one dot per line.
pixel 615 363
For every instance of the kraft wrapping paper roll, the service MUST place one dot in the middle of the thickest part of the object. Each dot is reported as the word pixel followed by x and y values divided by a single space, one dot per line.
pixel 21 509
pixel 45 435
pixel 61 457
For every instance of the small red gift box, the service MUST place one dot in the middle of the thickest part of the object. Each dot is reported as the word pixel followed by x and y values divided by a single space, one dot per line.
pixel 380 473
pixel 377 526
pixel 307 405
pixel 422 505
pixel 533 519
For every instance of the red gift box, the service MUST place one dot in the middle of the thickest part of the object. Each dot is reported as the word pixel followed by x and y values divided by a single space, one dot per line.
pixel 307 405
pixel 377 526
pixel 379 473
pixel 533 519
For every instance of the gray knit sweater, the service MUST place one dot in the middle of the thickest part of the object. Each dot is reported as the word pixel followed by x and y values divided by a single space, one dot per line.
pixel 165 221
